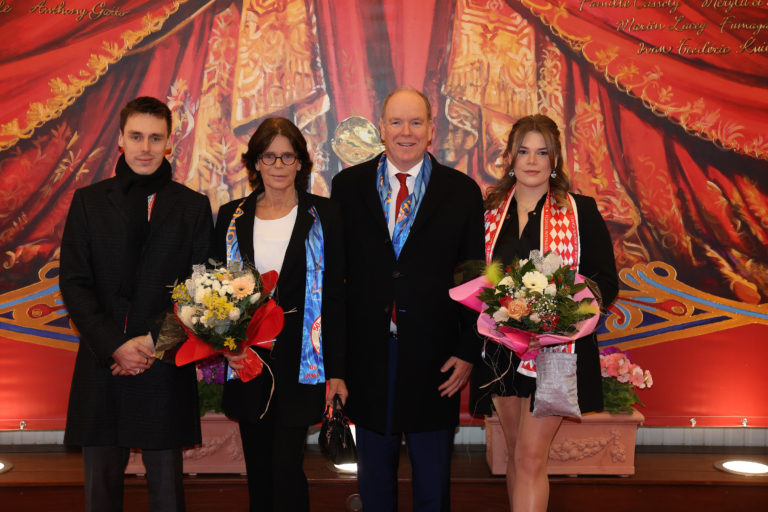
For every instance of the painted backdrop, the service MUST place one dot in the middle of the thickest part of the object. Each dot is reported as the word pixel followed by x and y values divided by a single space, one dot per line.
pixel 663 105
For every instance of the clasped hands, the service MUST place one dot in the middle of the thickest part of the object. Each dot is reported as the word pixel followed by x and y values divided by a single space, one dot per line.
pixel 134 356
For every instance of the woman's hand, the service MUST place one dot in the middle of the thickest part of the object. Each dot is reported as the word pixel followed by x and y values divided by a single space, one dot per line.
pixel 534 344
pixel 336 387
pixel 234 358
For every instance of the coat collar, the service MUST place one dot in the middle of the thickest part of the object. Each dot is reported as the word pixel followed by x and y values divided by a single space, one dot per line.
pixel 294 253
pixel 161 207
pixel 429 203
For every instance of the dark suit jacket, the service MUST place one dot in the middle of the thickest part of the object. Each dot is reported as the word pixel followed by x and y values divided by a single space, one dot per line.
pixel 447 231
pixel 295 403
pixel 157 409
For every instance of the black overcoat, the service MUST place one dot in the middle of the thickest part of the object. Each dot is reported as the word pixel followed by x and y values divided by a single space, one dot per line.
pixel 447 231
pixel 296 404
pixel 158 408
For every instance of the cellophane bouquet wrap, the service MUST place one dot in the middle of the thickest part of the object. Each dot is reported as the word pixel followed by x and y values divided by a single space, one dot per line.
pixel 537 296
pixel 226 309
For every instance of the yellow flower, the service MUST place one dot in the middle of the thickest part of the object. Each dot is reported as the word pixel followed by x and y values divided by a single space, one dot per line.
pixel 229 342
pixel 180 293
pixel 218 307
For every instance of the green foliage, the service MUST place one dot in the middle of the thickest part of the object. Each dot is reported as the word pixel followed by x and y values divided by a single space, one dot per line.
pixel 209 396
pixel 618 396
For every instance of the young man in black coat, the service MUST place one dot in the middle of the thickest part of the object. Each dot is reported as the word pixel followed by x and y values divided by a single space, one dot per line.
pixel 127 239
pixel 409 222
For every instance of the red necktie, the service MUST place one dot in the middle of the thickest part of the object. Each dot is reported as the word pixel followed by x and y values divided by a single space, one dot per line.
pixel 401 195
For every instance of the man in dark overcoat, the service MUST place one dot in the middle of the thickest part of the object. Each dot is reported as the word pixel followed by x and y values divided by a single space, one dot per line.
pixel 409 223
pixel 127 239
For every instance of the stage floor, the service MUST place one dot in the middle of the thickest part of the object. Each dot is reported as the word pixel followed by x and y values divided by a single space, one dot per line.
pixel 666 479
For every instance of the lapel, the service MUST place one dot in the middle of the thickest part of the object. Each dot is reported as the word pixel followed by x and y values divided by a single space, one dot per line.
pixel 370 195
pixel 117 199
pixel 433 196
pixel 244 228
pixel 165 199
pixel 295 253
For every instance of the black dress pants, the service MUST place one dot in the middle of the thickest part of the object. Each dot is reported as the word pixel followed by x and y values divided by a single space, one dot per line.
pixel 105 471
pixel 274 459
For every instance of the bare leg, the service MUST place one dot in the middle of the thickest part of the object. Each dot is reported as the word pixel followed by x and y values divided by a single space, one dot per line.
pixel 508 408
pixel 528 441
pixel 534 438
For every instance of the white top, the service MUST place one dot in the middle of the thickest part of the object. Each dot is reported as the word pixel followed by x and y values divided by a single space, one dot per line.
pixel 392 171
pixel 270 241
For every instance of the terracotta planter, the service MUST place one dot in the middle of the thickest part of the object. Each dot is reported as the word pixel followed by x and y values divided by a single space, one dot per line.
pixel 599 444
pixel 220 452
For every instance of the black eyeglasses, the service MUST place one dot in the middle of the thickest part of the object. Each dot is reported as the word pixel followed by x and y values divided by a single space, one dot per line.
pixel 271 158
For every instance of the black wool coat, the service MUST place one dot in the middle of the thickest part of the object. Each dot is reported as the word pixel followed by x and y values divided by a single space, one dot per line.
pixel 157 409
pixel 447 232
pixel 295 404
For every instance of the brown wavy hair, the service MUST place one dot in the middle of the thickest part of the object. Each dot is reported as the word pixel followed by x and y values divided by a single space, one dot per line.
pixel 559 185
pixel 260 141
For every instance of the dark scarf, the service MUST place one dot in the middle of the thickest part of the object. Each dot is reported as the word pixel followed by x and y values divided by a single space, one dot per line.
pixel 136 188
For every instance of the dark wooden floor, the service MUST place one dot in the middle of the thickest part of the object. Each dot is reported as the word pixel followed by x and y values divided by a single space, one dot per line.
pixel 664 481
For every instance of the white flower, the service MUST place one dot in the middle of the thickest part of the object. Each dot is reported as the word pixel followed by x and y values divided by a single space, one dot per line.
pixel 549 264
pixel 550 289
pixel 534 317
pixel 255 297
pixel 501 315
pixel 200 294
pixel 522 263
pixel 234 314
pixel 507 281
pixel 187 315
pixel 534 281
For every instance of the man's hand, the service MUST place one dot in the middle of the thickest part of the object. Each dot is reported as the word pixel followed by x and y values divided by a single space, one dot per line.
pixel 134 356
pixel 459 377
pixel 336 387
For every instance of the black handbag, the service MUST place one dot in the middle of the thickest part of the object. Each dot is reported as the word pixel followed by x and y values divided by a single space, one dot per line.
pixel 336 439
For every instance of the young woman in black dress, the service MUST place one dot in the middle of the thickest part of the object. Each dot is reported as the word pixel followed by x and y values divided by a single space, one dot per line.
pixel 531 208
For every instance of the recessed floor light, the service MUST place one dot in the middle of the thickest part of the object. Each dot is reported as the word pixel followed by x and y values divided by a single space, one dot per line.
pixel 5 466
pixel 743 467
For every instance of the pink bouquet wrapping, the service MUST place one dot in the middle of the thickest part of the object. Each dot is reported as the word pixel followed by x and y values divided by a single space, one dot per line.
pixel 535 297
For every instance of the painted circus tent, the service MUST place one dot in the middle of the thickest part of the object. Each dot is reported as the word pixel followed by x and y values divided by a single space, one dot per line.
pixel 663 106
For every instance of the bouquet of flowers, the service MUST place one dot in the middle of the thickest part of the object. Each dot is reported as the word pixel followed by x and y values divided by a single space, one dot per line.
pixel 224 309
pixel 620 378
pixel 535 296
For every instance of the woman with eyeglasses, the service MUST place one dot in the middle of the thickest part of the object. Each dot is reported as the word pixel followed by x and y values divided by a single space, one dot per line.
pixel 281 227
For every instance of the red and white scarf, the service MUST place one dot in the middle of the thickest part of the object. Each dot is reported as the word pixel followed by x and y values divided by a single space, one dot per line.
pixel 559 233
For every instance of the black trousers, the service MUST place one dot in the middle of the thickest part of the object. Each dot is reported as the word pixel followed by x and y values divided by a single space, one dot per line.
pixel 105 471
pixel 274 458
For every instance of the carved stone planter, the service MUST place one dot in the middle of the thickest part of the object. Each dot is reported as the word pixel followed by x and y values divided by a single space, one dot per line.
pixel 599 444
pixel 220 452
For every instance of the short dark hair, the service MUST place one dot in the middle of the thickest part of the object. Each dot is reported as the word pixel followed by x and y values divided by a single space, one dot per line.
pixel 146 105
pixel 410 89
pixel 263 137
